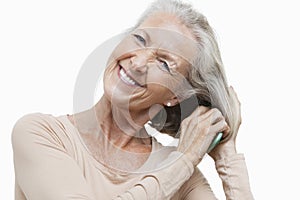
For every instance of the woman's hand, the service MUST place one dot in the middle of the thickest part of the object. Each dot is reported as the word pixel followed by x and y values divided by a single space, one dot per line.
pixel 198 130
pixel 228 148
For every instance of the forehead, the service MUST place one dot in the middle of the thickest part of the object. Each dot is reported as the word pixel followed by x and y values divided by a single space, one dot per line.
pixel 166 32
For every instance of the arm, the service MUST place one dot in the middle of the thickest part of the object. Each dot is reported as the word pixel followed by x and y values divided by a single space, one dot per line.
pixel 45 170
pixel 230 165
pixel 196 188
pixel 234 175
pixel 197 133
pixel 162 184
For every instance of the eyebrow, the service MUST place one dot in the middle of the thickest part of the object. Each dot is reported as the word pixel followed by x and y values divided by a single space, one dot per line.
pixel 165 55
pixel 161 52
pixel 144 34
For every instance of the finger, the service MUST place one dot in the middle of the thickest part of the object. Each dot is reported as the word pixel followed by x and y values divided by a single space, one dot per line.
pixel 203 109
pixel 234 95
pixel 199 111
pixel 220 126
pixel 213 115
pixel 225 132
pixel 236 101
pixel 216 117
pixel 194 119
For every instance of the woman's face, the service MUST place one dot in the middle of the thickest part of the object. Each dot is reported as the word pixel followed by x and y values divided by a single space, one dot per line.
pixel 150 64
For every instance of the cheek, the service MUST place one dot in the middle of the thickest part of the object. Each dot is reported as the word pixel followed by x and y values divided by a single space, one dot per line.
pixel 124 48
pixel 183 67
pixel 165 83
pixel 158 93
pixel 153 94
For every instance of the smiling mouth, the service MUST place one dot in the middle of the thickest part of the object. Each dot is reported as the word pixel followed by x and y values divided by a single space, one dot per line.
pixel 126 78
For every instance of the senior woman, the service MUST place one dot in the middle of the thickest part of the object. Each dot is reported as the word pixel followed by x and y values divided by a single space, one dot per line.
pixel 167 71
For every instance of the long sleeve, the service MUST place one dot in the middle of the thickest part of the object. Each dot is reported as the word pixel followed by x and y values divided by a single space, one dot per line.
pixel 45 169
pixel 196 188
pixel 162 184
pixel 234 175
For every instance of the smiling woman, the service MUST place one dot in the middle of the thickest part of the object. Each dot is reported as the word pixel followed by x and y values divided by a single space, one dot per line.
pixel 166 70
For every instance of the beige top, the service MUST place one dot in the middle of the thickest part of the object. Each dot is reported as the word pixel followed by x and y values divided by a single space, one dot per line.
pixel 52 163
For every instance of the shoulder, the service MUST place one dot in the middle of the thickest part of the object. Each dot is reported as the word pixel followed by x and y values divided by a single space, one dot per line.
pixel 35 127
pixel 37 122
pixel 29 122
pixel 32 119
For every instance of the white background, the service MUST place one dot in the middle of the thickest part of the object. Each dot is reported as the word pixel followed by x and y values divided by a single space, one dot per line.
pixel 44 43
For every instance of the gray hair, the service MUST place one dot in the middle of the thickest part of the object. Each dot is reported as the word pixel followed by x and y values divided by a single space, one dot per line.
pixel 207 76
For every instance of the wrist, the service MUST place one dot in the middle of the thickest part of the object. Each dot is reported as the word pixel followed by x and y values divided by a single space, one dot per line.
pixel 225 150
pixel 193 158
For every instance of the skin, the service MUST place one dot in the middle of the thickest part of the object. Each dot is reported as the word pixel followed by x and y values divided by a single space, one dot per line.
pixel 124 109
pixel 225 150
pixel 207 123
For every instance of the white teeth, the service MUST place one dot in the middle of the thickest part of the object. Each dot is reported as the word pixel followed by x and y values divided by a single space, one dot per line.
pixel 125 78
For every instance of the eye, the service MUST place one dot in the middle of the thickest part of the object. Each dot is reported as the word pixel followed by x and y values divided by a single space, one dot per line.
pixel 164 64
pixel 140 39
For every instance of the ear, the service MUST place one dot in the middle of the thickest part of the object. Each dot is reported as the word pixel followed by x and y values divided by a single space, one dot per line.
pixel 171 102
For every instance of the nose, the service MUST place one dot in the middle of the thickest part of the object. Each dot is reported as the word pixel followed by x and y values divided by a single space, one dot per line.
pixel 139 62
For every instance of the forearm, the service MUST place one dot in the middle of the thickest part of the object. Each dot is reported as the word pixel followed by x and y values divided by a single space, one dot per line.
pixel 163 183
pixel 234 175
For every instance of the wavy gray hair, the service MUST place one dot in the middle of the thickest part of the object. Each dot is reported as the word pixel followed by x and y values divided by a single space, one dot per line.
pixel 207 76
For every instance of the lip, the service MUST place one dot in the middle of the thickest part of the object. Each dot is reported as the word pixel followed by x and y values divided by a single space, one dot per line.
pixel 123 69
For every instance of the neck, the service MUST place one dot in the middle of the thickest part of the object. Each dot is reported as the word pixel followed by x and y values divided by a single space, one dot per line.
pixel 119 126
